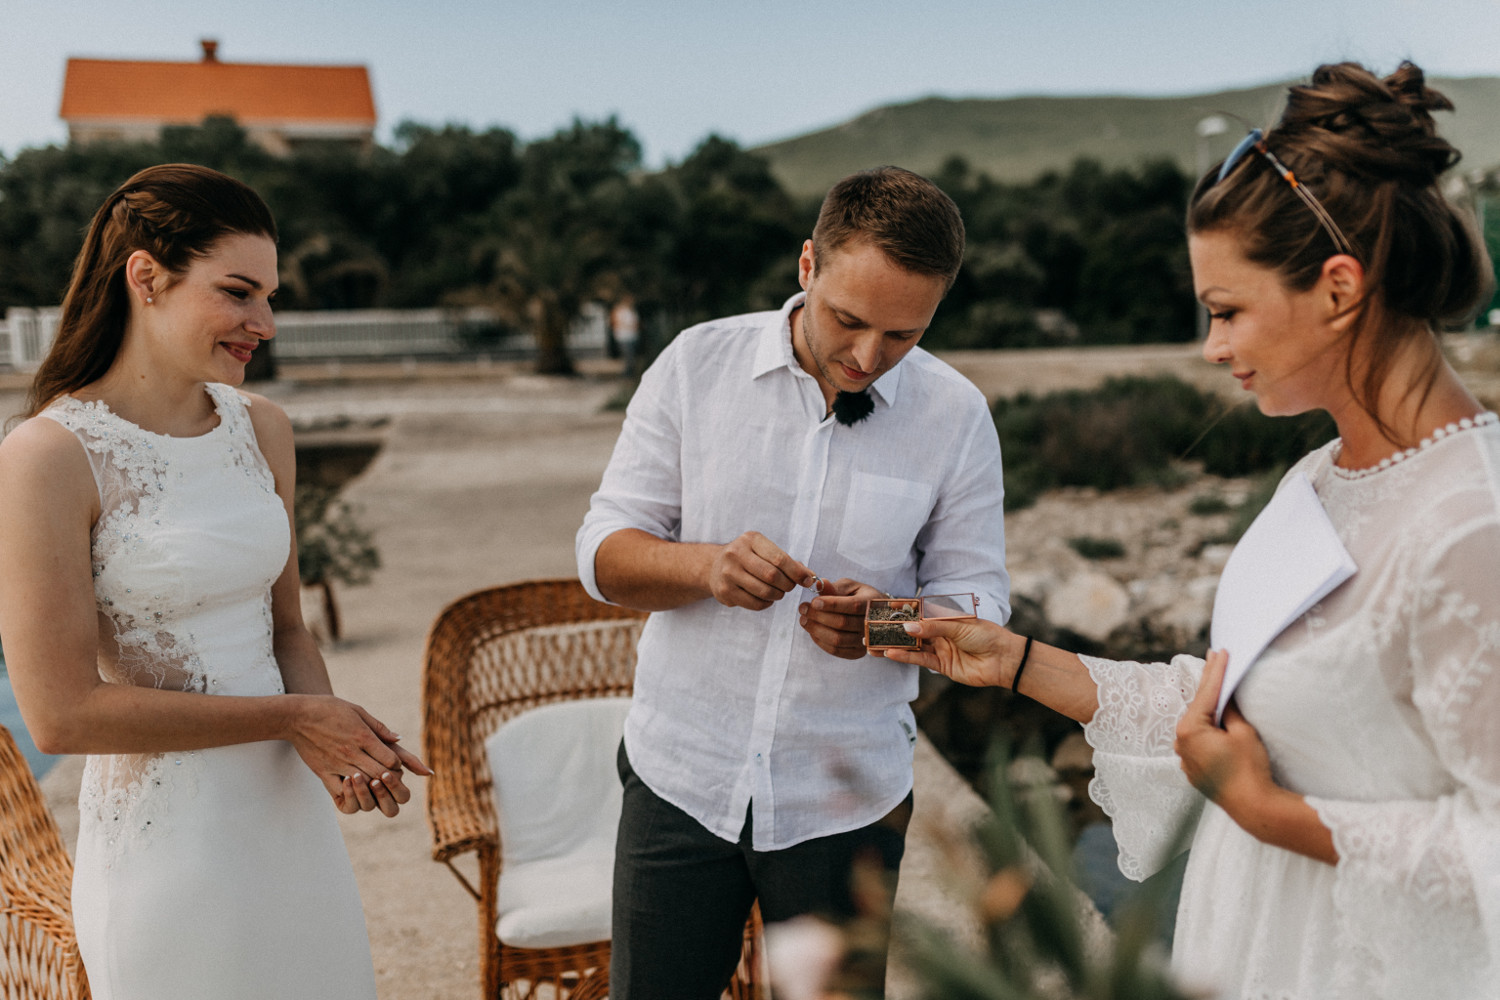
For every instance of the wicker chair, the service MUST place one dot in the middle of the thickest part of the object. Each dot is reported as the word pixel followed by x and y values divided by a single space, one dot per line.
pixel 38 953
pixel 491 656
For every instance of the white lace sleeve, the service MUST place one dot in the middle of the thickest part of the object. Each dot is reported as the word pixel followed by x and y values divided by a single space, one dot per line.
pixel 1421 879
pixel 1138 779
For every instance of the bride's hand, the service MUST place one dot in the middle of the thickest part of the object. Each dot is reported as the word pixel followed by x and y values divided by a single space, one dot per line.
pixel 360 794
pixel 1230 765
pixel 973 651
pixel 354 754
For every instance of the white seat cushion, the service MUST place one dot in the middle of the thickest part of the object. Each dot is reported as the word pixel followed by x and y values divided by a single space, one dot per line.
pixel 558 796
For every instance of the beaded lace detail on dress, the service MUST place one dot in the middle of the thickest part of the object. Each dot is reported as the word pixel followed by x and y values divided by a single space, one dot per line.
pixel 1378 706
pixel 146 603
pixel 1466 424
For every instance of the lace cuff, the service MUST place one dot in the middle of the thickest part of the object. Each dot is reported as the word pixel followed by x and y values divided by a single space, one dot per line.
pixel 1138 780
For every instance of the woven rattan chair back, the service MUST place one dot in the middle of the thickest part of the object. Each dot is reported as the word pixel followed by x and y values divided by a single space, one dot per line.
pixel 38 953
pixel 491 656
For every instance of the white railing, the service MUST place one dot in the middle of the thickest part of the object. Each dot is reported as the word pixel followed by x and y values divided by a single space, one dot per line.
pixel 383 333
pixel 25 337
pixel 353 334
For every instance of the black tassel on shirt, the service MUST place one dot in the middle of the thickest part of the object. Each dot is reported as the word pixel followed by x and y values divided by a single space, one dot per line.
pixel 849 408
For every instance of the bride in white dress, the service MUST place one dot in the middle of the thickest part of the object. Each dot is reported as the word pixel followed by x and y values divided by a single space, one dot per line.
pixel 149 601
pixel 1351 847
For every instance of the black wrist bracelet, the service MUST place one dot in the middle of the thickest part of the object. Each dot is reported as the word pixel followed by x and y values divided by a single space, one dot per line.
pixel 1015 678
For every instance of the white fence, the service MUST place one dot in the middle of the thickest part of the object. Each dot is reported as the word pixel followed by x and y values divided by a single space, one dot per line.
pixel 25 336
pixel 357 334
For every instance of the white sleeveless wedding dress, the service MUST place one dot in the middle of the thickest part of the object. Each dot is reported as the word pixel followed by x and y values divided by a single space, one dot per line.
pixel 217 873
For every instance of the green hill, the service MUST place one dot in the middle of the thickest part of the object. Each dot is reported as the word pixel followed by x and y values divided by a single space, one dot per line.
pixel 1016 139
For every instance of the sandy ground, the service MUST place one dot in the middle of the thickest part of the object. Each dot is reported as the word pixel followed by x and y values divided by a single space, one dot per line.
pixel 483 478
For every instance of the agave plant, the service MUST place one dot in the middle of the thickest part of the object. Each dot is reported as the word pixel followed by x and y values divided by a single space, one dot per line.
pixel 1037 944
pixel 1040 939
pixel 331 545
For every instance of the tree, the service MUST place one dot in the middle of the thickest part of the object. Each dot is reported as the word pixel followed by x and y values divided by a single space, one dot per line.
pixel 331 545
pixel 553 241
pixel 736 244
pixel 47 197
pixel 448 182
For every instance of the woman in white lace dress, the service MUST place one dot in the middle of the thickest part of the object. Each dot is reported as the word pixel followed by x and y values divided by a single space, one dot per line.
pixel 149 601
pixel 1352 845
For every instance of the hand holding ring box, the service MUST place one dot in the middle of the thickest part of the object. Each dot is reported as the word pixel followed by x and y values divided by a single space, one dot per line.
pixel 884 617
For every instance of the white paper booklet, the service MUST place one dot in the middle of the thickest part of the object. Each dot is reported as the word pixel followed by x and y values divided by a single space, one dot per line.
pixel 1288 560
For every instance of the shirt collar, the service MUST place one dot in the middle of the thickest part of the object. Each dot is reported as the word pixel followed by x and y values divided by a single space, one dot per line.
pixel 775 351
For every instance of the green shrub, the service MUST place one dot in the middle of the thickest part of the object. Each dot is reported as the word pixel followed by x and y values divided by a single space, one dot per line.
pixel 331 543
pixel 1034 933
pixel 1250 508
pixel 1245 442
pixel 1097 548
pixel 1208 504
pixel 1137 430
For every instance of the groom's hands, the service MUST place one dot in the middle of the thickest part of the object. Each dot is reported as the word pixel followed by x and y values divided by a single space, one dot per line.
pixel 835 619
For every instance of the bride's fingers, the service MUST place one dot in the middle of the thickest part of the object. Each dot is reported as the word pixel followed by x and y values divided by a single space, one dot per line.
pixel 391 782
pixel 1206 698
pixel 411 761
pixel 340 791
pixel 385 797
pixel 921 657
pixel 375 758
pixel 362 793
pixel 380 729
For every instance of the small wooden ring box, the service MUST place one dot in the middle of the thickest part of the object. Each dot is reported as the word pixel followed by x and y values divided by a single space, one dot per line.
pixel 884 617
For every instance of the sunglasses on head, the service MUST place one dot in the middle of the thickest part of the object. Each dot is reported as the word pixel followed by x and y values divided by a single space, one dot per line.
pixel 1256 141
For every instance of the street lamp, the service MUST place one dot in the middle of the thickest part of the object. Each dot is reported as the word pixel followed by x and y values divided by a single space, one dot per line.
pixel 1207 128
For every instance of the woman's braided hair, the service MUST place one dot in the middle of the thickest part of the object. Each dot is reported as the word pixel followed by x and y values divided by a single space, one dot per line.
pixel 176 212
pixel 1369 149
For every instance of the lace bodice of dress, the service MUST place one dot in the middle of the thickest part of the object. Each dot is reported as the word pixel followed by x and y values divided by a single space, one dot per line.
pixel 191 534
pixel 1378 705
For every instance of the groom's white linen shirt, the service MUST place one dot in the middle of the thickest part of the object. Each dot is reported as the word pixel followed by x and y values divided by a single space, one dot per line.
pixel 728 434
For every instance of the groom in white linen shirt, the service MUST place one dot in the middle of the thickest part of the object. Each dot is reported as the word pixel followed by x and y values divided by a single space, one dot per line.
pixel 764 750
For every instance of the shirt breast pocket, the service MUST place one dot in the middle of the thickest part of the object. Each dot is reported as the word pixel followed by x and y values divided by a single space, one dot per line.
pixel 881 519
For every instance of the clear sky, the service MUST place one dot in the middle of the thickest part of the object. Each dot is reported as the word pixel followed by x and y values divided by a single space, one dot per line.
pixel 751 70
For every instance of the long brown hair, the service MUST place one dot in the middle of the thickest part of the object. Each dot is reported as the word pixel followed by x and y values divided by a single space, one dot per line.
pixel 176 212
pixel 1368 149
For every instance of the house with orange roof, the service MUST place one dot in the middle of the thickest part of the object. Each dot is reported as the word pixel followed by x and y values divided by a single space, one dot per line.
pixel 279 106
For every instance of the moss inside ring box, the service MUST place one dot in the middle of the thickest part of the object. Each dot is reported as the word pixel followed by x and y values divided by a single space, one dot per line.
pixel 885 617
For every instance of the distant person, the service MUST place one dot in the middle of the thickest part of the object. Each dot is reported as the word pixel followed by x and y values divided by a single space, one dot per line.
pixel 763 752
pixel 1352 847
pixel 149 600
pixel 625 327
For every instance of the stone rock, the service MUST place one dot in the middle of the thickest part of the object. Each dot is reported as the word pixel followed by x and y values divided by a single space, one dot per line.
pixel 1090 604
pixel 1033 583
pixel 1215 556
pixel 1191 612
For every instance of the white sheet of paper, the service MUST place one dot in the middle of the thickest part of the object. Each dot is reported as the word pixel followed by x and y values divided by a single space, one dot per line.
pixel 1288 560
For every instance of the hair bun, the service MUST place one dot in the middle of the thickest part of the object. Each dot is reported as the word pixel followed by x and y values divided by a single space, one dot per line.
pixel 1409 86
pixel 1362 124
